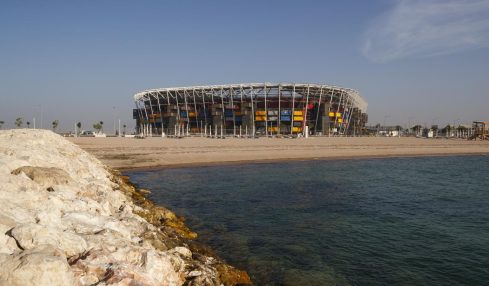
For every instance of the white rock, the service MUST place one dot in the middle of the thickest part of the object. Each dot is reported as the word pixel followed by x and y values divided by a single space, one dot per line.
pixel 44 176
pixel 7 243
pixel 83 222
pixel 194 273
pixel 37 267
pixel 155 264
pixel 62 205
pixel 30 236
pixel 185 252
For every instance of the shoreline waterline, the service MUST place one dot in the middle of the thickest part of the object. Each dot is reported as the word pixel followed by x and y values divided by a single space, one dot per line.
pixel 290 160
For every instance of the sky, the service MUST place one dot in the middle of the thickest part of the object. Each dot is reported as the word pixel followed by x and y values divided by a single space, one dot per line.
pixel 415 62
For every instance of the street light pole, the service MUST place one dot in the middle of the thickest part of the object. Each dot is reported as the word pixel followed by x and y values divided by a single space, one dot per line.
pixel 113 116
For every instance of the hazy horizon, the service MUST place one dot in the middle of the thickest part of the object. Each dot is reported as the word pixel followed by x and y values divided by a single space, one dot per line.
pixel 415 62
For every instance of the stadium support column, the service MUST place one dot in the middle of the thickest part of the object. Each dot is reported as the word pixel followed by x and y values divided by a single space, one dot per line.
pixel 213 107
pixel 353 122
pixel 293 111
pixel 327 108
pixel 252 112
pixel 223 116
pixel 304 123
pixel 147 119
pixel 140 121
pixel 152 114
pixel 350 113
pixel 177 130
pixel 171 117
pixel 185 93
pixel 347 106
pixel 242 110
pixel 279 124
pixel 317 111
pixel 338 110
pixel 233 110
pixel 196 113
pixel 161 114
pixel 205 110
pixel 266 110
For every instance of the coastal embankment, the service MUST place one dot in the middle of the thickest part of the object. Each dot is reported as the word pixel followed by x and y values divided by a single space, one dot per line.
pixel 130 153
pixel 67 219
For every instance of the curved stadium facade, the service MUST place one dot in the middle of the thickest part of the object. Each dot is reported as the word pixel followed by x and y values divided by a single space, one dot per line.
pixel 251 109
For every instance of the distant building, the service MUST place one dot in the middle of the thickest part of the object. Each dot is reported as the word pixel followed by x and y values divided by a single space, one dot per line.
pixel 481 130
pixel 251 109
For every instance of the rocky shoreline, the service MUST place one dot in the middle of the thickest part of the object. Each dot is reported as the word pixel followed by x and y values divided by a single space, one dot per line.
pixel 67 219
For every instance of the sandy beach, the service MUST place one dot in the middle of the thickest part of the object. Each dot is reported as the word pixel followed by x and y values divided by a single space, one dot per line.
pixel 130 153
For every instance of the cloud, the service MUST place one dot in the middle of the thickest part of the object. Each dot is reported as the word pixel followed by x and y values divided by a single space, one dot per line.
pixel 425 28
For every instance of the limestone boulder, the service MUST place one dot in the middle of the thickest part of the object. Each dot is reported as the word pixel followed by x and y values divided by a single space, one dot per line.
pixel 30 236
pixel 45 176
pixel 163 268
pixel 45 266
pixel 66 219
pixel 7 243
pixel 83 222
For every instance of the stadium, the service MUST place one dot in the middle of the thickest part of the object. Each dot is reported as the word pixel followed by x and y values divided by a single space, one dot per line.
pixel 256 109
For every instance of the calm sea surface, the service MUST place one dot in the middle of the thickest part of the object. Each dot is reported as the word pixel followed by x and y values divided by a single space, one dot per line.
pixel 395 221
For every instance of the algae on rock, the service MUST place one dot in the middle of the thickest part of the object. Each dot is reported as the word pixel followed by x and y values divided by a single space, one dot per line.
pixel 66 219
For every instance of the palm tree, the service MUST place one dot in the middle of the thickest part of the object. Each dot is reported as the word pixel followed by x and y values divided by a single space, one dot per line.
pixel 18 122
pixel 416 129
pixel 124 129
pixel 399 129
pixel 28 124
pixel 55 125
pixel 461 130
pixel 97 126
pixel 1 123
pixel 447 130
pixel 101 126
pixel 435 130
pixel 79 127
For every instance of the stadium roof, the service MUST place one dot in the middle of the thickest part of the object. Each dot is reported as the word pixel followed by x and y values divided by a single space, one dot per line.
pixel 355 95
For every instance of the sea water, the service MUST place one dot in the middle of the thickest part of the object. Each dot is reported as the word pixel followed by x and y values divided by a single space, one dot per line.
pixel 393 221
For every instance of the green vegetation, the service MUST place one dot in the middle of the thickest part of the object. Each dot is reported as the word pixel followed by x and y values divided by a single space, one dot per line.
pixel 417 128
pixel 18 122
pixel 55 125
pixel 97 127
